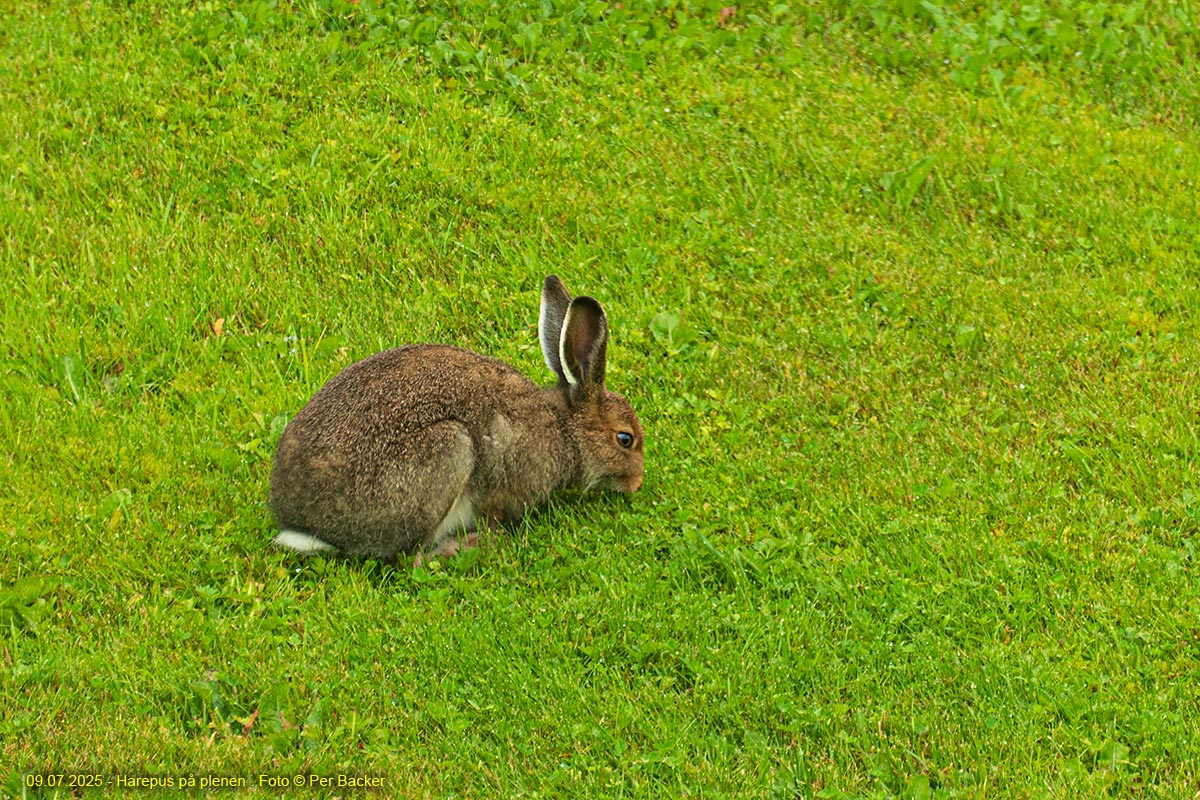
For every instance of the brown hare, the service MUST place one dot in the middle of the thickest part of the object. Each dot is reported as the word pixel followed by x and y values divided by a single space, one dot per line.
pixel 404 451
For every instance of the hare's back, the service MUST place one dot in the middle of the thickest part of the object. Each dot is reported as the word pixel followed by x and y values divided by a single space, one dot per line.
pixel 409 388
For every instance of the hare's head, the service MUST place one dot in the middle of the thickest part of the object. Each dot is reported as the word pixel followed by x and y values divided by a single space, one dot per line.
pixel 574 334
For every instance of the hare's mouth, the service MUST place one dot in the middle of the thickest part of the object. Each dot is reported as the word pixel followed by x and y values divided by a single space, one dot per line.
pixel 627 484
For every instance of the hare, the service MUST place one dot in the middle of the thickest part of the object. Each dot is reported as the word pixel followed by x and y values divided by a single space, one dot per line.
pixel 404 451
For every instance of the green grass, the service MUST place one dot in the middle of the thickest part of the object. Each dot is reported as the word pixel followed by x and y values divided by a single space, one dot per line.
pixel 906 296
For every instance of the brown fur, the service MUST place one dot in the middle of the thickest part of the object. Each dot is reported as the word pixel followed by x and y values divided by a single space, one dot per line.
pixel 389 446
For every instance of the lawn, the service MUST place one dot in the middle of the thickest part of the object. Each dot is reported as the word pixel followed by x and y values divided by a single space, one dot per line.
pixel 906 296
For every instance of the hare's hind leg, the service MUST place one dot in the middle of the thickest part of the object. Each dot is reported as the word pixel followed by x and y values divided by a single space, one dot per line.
pixel 448 499
pixel 454 534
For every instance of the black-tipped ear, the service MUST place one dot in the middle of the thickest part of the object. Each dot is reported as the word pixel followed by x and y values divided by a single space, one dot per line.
pixel 581 351
pixel 555 301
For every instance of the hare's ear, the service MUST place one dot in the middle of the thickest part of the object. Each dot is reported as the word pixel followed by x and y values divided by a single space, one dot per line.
pixel 555 302
pixel 581 349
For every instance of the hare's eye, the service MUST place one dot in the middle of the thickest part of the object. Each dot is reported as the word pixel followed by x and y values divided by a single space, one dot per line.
pixel 624 439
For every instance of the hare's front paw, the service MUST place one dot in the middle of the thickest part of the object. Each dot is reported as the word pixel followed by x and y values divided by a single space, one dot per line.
pixel 450 547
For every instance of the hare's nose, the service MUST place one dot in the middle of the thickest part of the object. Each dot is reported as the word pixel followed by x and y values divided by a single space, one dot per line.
pixel 635 483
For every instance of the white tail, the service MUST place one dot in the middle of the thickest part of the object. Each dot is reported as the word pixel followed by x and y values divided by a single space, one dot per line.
pixel 302 542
